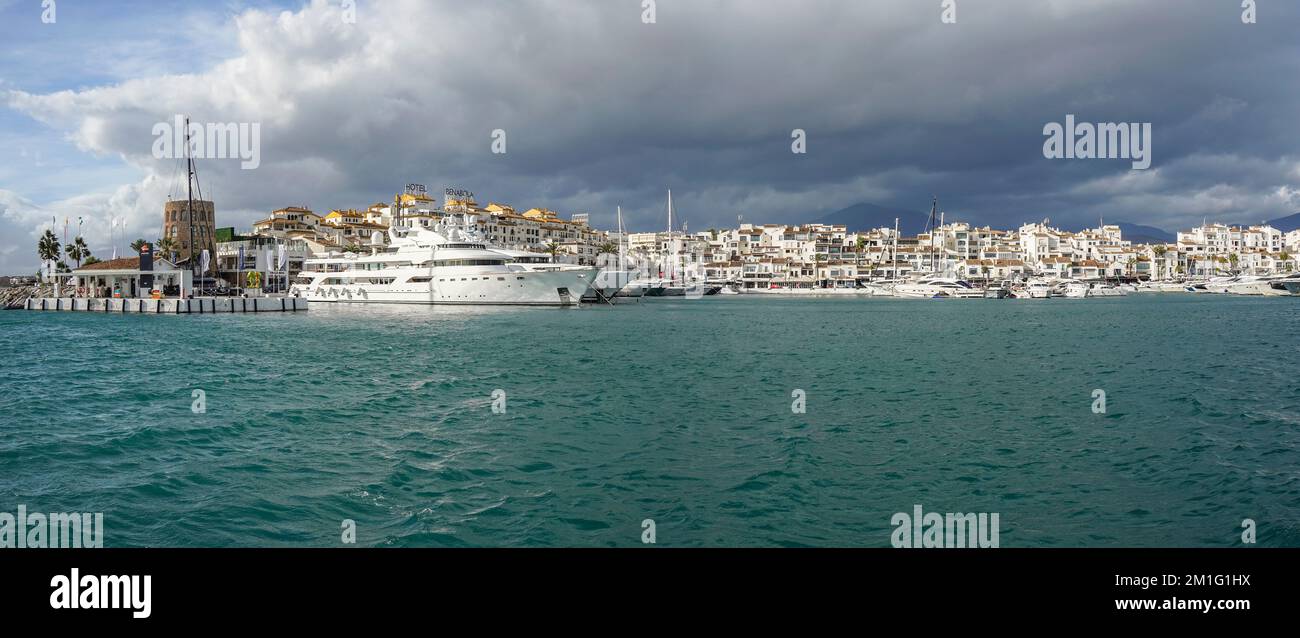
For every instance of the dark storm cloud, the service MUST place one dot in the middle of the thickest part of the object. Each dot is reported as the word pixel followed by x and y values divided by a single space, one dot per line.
pixel 602 110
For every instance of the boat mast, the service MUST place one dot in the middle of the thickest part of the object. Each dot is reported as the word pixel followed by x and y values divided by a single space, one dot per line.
pixel 930 228
pixel 668 247
pixel 894 260
pixel 936 247
pixel 622 250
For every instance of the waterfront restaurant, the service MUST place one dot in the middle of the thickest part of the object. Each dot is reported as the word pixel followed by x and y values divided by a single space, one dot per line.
pixel 121 279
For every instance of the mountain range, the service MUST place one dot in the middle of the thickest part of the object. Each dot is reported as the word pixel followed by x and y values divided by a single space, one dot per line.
pixel 865 216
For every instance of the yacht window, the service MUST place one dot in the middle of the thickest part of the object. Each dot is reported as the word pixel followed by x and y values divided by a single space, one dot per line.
pixel 469 262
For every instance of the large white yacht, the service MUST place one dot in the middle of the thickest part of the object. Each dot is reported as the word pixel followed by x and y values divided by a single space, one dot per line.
pixel 938 287
pixel 448 264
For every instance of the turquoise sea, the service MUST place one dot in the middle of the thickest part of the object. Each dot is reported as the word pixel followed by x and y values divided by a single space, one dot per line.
pixel 673 410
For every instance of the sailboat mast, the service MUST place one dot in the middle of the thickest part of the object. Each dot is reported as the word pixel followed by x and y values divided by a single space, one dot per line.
pixel 937 248
pixel 929 226
pixel 668 247
pixel 622 254
pixel 894 260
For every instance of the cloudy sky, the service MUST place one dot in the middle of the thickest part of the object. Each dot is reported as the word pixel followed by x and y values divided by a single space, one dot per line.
pixel 601 109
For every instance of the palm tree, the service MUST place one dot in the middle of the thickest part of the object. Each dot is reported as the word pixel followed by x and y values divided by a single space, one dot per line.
pixel 860 244
pixel 553 249
pixel 91 260
pixel 607 248
pixel 1160 259
pixel 138 245
pixel 48 248
pixel 1286 257
pixel 78 251
pixel 1233 259
pixel 168 246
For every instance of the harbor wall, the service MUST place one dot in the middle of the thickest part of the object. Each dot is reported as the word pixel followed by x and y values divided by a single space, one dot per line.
pixel 196 306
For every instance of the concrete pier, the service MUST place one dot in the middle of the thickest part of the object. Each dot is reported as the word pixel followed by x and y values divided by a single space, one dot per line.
pixel 195 306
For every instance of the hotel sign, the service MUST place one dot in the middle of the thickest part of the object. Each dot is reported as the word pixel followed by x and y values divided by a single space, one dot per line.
pixel 462 195
pixel 415 189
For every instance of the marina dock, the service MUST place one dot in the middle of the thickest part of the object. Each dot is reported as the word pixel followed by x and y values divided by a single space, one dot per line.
pixel 194 306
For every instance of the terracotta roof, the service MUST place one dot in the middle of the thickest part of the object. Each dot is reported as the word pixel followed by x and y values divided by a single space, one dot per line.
pixel 125 263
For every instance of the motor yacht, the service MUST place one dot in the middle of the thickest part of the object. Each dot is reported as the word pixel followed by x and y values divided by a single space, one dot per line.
pixel 447 264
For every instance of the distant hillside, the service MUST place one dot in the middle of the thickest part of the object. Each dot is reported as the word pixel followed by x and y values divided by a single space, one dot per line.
pixel 1136 233
pixel 1140 234
pixel 866 216
pixel 1286 224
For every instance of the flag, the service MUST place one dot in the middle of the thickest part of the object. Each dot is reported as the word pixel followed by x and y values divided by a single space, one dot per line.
pixel 241 259
pixel 206 260
pixel 283 261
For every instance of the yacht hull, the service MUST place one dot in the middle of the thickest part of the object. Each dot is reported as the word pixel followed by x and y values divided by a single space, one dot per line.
pixel 557 288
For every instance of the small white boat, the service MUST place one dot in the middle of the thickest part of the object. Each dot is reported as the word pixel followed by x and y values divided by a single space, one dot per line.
pixel 1000 291
pixel 1035 289
pixel 1106 290
pixel 1217 285
pixel 940 288
pixel 1072 289
pixel 1162 286
pixel 1253 286
pixel 1291 285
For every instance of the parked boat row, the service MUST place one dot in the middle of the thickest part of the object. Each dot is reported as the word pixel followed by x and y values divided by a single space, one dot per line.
pixel 1250 285
pixel 451 263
